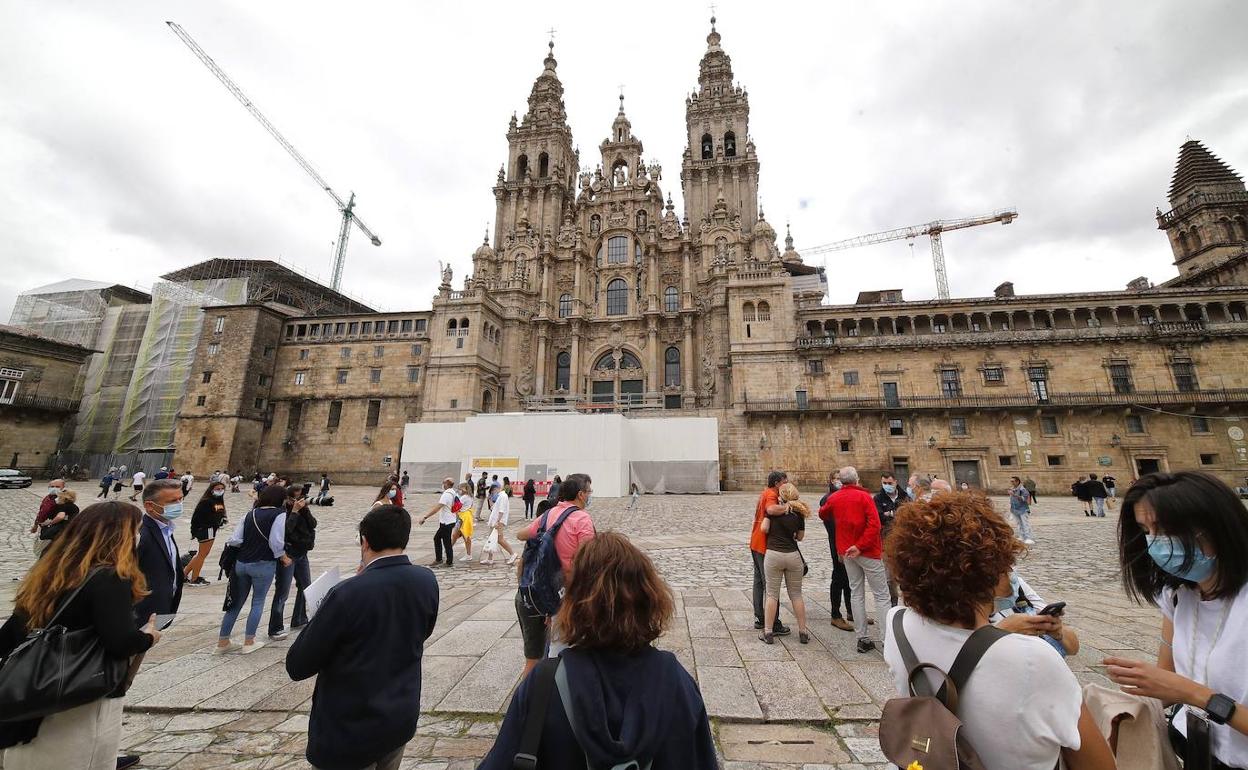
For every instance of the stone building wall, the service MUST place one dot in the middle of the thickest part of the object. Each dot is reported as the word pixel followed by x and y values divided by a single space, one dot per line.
pixel 40 389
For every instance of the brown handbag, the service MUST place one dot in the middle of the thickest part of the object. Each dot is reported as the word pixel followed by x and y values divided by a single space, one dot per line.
pixel 924 727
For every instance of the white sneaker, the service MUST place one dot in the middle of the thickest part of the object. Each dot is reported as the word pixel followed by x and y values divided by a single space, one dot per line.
pixel 250 648
pixel 279 636
pixel 1029 541
pixel 467 558
pixel 231 647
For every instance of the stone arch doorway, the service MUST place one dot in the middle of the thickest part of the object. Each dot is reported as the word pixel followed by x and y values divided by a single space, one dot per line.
pixel 617 377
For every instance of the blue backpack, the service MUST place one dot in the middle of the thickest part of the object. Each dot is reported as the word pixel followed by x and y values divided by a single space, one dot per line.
pixel 541 580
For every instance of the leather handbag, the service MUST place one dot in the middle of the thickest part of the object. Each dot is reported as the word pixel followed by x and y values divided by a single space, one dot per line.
pixel 56 669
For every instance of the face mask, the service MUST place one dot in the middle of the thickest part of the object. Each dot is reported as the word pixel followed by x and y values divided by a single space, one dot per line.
pixel 890 488
pixel 218 493
pixel 1006 603
pixel 837 485
pixel 1169 554
pixel 909 491
pixel 391 494
pixel 587 499
pixel 54 490
pixel 172 510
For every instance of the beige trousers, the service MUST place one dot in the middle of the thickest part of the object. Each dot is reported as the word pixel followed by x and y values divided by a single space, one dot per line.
pixel 82 738
pixel 787 565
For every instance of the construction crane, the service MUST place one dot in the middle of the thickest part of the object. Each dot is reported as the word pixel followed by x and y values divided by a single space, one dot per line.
pixel 349 216
pixel 932 229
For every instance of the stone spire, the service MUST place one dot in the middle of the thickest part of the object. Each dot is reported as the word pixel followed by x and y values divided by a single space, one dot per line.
pixel 546 98
pixel 715 68
pixel 1200 170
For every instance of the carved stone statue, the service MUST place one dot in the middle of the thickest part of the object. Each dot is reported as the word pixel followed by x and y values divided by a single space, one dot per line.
pixel 656 172
pixel 620 178
pixel 446 274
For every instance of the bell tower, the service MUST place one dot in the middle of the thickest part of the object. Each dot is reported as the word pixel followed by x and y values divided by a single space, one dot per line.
pixel 1208 217
pixel 537 181
pixel 719 160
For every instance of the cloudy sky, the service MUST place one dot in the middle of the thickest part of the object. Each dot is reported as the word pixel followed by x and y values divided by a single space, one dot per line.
pixel 123 158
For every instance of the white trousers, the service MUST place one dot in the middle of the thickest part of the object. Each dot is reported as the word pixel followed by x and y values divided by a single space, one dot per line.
pixel 862 570
pixel 83 738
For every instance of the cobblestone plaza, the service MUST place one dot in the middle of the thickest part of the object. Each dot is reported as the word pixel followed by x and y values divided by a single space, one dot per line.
pixel 786 706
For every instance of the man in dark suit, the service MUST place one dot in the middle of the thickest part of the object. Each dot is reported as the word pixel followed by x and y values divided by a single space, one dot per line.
pixel 158 552
pixel 364 645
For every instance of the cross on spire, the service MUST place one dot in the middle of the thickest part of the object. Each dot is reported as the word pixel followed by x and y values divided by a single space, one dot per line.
pixel 712 17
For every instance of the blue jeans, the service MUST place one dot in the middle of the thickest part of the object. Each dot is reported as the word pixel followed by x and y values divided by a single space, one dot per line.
pixel 1024 526
pixel 252 577
pixel 301 572
pixel 1100 506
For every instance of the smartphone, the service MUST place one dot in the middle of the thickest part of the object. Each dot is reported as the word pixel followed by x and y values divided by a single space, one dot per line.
pixel 1199 755
pixel 1056 608
pixel 164 621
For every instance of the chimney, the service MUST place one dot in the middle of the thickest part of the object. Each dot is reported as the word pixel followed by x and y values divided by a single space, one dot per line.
pixel 1139 284
pixel 1004 290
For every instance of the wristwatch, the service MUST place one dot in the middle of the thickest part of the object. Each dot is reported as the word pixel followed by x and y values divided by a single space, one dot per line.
pixel 1220 708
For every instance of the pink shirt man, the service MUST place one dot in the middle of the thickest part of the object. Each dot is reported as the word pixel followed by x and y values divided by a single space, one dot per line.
pixel 576 530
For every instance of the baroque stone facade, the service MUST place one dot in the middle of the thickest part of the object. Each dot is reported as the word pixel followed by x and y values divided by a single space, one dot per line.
pixel 40 388
pixel 591 293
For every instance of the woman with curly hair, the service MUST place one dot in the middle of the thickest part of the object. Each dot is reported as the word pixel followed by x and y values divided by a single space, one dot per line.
pixel 616 699
pixel 95 556
pixel 783 560
pixel 1022 707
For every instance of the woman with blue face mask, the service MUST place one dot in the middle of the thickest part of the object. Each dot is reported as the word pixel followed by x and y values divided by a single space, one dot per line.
pixel 1183 544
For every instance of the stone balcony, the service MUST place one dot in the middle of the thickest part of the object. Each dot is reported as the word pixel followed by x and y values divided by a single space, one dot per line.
pixel 32 402
pixel 1166 329
pixel 799 404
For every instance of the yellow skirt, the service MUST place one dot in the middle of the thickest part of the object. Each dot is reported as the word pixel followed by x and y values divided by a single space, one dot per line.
pixel 465 522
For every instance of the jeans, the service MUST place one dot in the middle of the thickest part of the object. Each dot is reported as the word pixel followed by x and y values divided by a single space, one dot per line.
pixel 760 588
pixel 252 577
pixel 301 572
pixel 1100 506
pixel 871 571
pixel 528 508
pixel 1022 516
pixel 839 586
pixel 442 538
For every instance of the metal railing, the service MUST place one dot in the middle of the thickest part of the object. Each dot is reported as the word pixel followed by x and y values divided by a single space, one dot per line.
pixel 591 405
pixel 1021 400
pixel 986 336
pixel 39 403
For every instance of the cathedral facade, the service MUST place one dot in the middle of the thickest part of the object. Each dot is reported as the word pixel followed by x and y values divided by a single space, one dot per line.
pixel 592 294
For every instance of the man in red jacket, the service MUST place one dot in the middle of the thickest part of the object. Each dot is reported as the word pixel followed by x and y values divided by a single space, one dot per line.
pixel 859 544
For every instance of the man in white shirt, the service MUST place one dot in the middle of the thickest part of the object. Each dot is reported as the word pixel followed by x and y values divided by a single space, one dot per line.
pixel 138 484
pixel 188 480
pixel 446 522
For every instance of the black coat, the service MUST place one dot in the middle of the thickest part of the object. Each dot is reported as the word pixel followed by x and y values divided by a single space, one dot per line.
pixel 164 580
pixel 300 533
pixel 364 645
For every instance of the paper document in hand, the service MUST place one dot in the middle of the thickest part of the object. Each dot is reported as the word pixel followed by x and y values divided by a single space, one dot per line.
pixel 315 593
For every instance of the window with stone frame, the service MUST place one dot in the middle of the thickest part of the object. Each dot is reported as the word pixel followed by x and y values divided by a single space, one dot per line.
pixel 1200 425
pixel 218 325
pixel 950 383
pixel 1048 425
pixel 213 348
pixel 374 376
pixel 957 426
pixel 814 366
pixel 294 416
pixel 335 414
pixel 1120 377
pixel 413 374
pixel 379 351
pixel 345 353
pixel 617 297
pixel 207 377
pixel 342 376
pixel 1135 424
pixel 896 427
pixel 671 367
pixel 301 378
pixel 416 351
pixel 200 400
pixel 565 305
pixel 373 415
pixel 1184 375
pixel 303 354
pixel 764 311
pixel 406 326
pixel 421 325
pixel 1038 381
pixel 617 250
pixel 849 377
pixel 671 299
pixel 563 370
pixel 8 390
pixel 994 375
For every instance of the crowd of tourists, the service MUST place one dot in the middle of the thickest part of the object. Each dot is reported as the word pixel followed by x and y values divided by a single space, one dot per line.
pixel 961 628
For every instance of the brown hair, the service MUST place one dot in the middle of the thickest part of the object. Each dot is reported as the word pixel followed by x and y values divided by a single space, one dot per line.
pixel 102 535
pixel 615 599
pixel 789 494
pixel 948 555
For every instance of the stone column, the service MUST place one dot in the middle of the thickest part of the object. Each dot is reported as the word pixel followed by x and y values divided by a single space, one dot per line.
pixel 576 284
pixel 655 288
pixel 656 360
pixel 686 356
pixel 574 376
pixel 686 282
pixel 1113 313
pixel 1204 312
pixel 540 365
pixel 544 303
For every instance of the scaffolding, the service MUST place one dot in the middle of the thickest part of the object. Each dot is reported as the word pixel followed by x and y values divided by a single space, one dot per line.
pixel 72 311
pixel 107 378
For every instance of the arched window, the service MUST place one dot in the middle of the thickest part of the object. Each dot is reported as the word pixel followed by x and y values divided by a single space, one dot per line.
pixel 629 361
pixel 1229 229
pixel 563 371
pixel 1195 239
pixel 487 401
pixel 543 165
pixel 617 250
pixel 617 297
pixel 708 147
pixel 764 311
pixel 813 329
pixel 730 145
pixel 671 367
pixel 747 312
pixel 671 299
pixel 463 323
pixel 522 166
pixel 565 305
pixel 605 363
pixel 1184 245
pixel 451 324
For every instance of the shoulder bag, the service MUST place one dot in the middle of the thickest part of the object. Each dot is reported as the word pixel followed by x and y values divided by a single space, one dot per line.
pixel 56 669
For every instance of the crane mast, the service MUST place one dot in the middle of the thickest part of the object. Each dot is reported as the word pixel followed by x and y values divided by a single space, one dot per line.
pixel 347 208
pixel 932 229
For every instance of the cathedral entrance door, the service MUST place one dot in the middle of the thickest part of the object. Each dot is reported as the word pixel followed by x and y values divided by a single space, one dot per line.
pixel 604 392
pixel 632 391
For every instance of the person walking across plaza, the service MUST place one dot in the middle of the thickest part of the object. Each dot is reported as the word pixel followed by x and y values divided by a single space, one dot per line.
pixel 465 517
pixel 887 501
pixel 768 505
pixel 1111 488
pixel 530 494
pixel 106 483
pixel 444 509
pixel 1083 494
pixel 784 560
pixel 634 494
pixel 365 646
pixel 90 580
pixel 188 481
pixel 46 504
pixel 300 539
pixel 618 701
pixel 158 550
pixel 404 481
pixel 1097 489
pixel 136 483
pixel 1029 484
pixel 500 515
pixel 1020 509
pixel 387 495
pixel 206 519
pixel 858 542
pixel 482 488
pixel 261 540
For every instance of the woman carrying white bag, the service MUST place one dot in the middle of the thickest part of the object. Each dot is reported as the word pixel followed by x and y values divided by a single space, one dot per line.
pixel 500 506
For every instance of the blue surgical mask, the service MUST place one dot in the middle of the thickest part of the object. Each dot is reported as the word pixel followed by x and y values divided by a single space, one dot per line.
pixel 909 491
pixel 54 490
pixel 1006 603
pixel 587 499
pixel 172 510
pixel 1169 554
pixel 837 485
pixel 391 494
pixel 218 492
pixel 889 488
